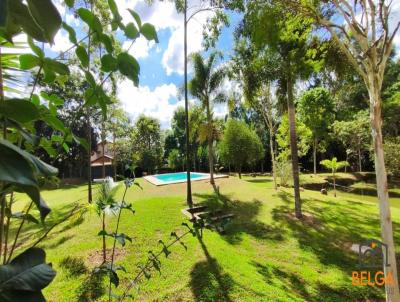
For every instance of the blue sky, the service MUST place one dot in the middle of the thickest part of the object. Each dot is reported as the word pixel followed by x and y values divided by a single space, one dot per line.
pixel 161 64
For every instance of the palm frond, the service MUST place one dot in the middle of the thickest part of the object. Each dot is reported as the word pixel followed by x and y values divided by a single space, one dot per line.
pixel 216 79
pixel 13 77
pixel 222 98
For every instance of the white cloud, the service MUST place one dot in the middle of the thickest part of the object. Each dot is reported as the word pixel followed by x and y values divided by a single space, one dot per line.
pixel 143 100
pixel 394 19
pixel 61 42
pixel 173 58
pixel 140 48
pixel 163 15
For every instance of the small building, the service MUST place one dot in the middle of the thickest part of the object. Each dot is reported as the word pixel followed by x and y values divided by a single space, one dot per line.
pixel 100 161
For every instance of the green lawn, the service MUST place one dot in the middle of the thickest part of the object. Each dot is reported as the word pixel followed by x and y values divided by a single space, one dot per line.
pixel 265 255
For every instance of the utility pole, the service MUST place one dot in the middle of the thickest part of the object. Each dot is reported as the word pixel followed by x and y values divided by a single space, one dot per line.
pixel 186 21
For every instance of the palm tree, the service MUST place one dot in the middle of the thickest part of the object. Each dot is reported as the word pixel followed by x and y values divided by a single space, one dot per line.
pixel 205 86
pixel 334 165
pixel 10 67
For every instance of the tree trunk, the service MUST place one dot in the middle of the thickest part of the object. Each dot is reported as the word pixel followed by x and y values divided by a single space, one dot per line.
pixel 240 172
pixel 392 291
pixel 293 147
pixel 89 134
pixel 359 160
pixel 347 159
pixel 104 163
pixel 271 143
pixel 211 160
pixel 334 184
pixel 114 161
pixel 189 199
pixel 210 144
pixel 315 155
pixel 103 227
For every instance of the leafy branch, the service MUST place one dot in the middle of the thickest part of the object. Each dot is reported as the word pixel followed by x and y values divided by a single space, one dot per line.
pixel 153 259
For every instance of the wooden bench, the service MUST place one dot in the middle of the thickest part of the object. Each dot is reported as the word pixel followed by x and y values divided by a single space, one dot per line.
pixel 209 218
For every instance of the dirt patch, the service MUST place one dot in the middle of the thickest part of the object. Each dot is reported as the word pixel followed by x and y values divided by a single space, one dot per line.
pixel 307 219
pixel 95 258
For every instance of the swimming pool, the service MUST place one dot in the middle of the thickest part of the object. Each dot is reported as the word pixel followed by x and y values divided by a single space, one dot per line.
pixel 172 178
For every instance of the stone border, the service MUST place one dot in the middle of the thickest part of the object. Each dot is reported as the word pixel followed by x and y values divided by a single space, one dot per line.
pixel 155 181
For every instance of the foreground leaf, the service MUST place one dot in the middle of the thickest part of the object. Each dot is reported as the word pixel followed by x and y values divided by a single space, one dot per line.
pixel 23 279
pixel 129 67
pixel 19 110
pixel 28 61
pixel 149 32
pixel 82 55
pixel 46 16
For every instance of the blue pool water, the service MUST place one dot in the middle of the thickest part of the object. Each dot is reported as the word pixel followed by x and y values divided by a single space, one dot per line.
pixel 180 176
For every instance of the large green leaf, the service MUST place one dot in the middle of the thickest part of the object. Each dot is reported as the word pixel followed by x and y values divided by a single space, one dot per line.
pixel 90 96
pixel 91 20
pixel 14 167
pixel 113 7
pixel 3 13
pixel 22 111
pixel 129 67
pixel 49 75
pixel 107 42
pixel 109 63
pixel 21 169
pixel 136 16
pixel 82 55
pixel 46 16
pixel 39 167
pixel 47 145
pixel 25 276
pixel 36 49
pixel 52 98
pixel 70 3
pixel 28 61
pixel 52 120
pixel 55 66
pixel 131 31
pixel 20 17
pixel 90 78
pixel 149 32
pixel 26 134
pixel 71 33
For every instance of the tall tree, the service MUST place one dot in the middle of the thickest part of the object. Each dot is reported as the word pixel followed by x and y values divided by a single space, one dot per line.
pixel 304 138
pixel 147 142
pixel 365 36
pixel 256 69
pixel 316 111
pixel 205 86
pixel 240 145
pixel 354 135
pixel 286 34
pixel 117 125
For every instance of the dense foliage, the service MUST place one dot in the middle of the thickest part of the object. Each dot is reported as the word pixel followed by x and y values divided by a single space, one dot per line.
pixel 240 145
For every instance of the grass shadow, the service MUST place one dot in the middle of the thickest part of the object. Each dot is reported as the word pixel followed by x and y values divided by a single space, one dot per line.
pixel 258 181
pixel 290 282
pixel 328 230
pixel 208 282
pixel 59 242
pixel 245 220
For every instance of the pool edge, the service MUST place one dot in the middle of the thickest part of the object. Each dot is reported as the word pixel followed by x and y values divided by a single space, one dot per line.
pixel 154 181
